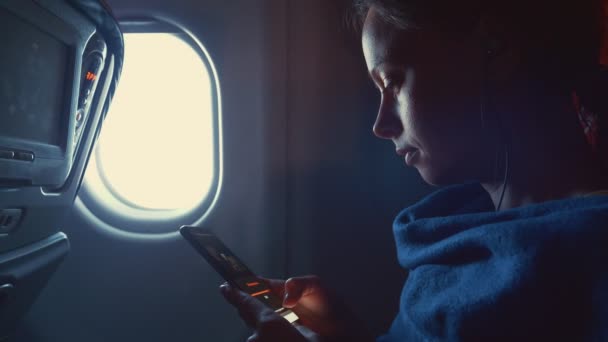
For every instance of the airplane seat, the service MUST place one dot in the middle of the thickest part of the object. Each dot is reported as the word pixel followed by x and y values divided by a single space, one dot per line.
pixel 60 62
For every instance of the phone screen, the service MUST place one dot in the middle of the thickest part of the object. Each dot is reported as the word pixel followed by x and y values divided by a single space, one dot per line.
pixel 233 269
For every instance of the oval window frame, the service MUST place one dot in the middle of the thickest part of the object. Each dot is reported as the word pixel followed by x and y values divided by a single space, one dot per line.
pixel 105 208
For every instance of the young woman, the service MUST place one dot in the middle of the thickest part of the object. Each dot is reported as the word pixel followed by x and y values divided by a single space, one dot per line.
pixel 505 104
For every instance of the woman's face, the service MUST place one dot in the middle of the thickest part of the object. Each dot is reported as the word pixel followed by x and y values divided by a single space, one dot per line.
pixel 430 88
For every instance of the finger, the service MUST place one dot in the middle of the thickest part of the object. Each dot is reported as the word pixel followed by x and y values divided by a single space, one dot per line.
pixel 298 287
pixel 251 310
pixel 277 286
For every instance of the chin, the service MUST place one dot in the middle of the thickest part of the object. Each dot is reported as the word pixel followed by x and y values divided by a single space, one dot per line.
pixel 439 176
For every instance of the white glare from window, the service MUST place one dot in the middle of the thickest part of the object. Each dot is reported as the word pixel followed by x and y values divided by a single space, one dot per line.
pixel 156 146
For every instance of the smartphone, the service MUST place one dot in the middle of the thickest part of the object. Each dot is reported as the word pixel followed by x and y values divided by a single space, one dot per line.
pixel 232 269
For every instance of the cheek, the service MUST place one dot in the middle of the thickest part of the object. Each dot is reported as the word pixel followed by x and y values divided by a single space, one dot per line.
pixel 455 155
pixel 446 119
pixel 447 107
pixel 448 128
pixel 405 106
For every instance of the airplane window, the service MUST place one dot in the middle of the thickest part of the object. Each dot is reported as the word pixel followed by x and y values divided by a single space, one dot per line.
pixel 157 150
pixel 156 147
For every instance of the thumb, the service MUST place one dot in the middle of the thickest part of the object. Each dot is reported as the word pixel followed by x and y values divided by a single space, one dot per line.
pixel 232 296
pixel 296 288
pixel 250 309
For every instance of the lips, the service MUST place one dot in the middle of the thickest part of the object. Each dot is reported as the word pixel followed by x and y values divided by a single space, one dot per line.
pixel 405 150
pixel 412 157
pixel 410 153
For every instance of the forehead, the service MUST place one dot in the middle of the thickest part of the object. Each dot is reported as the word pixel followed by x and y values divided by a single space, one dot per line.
pixel 384 43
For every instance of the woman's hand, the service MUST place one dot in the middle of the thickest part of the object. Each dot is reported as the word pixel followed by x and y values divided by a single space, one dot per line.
pixel 268 325
pixel 323 317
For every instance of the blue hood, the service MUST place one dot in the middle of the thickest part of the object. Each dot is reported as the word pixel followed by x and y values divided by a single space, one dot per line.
pixel 538 272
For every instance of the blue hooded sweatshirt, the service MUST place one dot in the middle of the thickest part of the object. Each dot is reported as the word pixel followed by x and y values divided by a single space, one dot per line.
pixel 533 273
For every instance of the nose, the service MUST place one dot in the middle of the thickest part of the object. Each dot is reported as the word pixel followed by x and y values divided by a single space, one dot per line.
pixel 388 124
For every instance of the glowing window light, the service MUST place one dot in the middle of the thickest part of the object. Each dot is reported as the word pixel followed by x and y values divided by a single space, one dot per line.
pixel 156 146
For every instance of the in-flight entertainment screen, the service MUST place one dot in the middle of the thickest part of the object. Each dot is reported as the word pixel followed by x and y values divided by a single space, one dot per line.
pixel 33 65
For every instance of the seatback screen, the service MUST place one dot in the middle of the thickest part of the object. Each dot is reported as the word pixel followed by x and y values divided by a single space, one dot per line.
pixel 33 66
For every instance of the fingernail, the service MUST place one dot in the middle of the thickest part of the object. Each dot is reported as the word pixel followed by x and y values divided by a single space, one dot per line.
pixel 225 288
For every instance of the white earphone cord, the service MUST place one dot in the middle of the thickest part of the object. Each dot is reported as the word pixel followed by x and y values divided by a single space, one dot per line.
pixel 483 104
pixel 504 183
